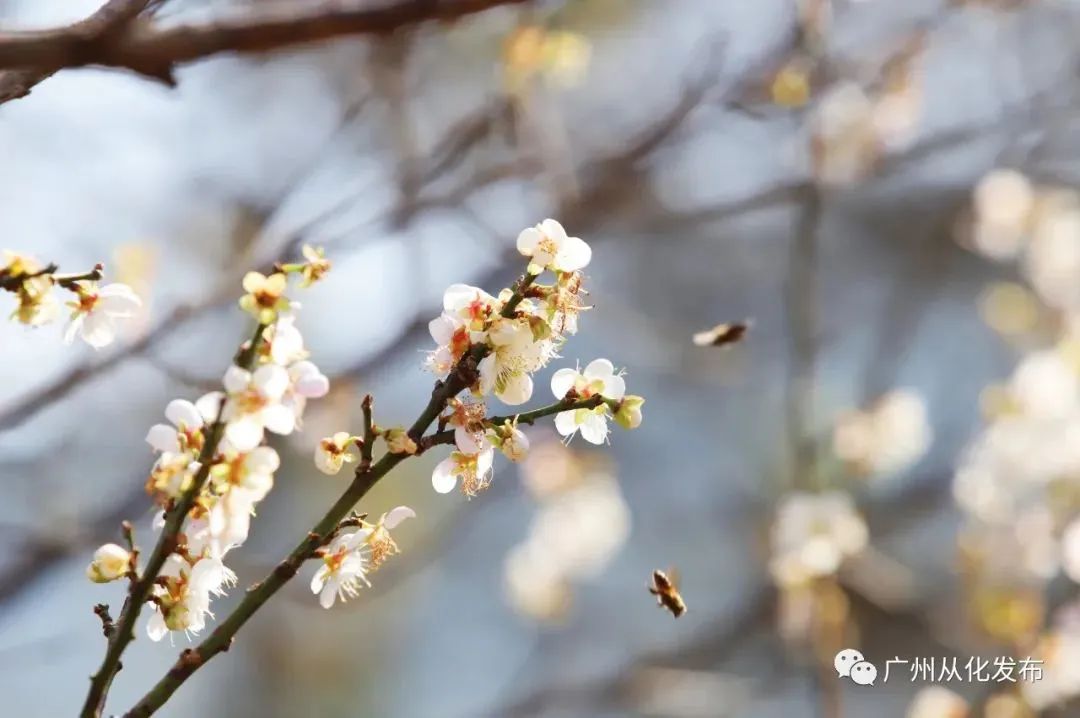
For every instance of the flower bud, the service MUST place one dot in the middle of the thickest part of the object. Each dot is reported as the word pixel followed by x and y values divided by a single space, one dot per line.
pixel 111 562
pixel 628 415
pixel 399 442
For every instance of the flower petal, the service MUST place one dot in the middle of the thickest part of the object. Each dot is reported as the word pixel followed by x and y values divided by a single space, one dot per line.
pixel 528 239
pixel 517 390
pixel 594 429
pixel 278 418
pixel 98 330
pixel 208 405
pixel 614 387
pixel 163 438
pixel 271 380
pixel 182 411
pixel 599 369
pixel 236 379
pixel 155 627
pixel 574 254
pixel 563 381
pixel 553 230
pixel 244 433
pixel 319 579
pixel 566 423
pixel 396 515
pixel 443 478
pixel 328 595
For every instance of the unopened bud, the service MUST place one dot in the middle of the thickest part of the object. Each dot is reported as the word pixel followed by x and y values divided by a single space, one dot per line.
pixel 628 415
pixel 399 442
pixel 111 562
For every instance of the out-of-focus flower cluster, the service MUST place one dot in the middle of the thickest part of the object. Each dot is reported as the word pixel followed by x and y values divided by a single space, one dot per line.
pixel 888 437
pixel 852 128
pixel 581 523
pixel 96 311
pixel 534 52
pixel 813 534
pixel 1018 482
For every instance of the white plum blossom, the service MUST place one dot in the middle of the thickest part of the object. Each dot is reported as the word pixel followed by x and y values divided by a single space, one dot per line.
pixel 185 433
pixel 813 534
pixel 306 381
pixel 886 438
pixel 380 543
pixel 181 601
pixel 515 354
pixel 1045 386
pixel 254 405
pixel 249 472
pixel 332 452
pixel 474 470
pixel 285 340
pixel 467 419
pixel 98 312
pixel 111 562
pixel 548 247
pixel 599 378
pixel 230 521
pixel 171 474
pixel 511 441
pixel 452 338
pixel 240 481
pixel 471 306
pixel 345 566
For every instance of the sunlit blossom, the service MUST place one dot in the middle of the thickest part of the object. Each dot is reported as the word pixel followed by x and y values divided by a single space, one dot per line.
pixel 111 562
pixel 333 452
pixel 549 247
pixel 254 404
pixel 474 471
pixel 344 568
pixel 98 312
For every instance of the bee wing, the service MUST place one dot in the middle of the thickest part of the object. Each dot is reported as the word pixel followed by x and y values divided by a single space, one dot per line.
pixel 674 576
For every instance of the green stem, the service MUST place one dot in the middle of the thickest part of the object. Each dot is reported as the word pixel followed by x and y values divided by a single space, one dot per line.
pixel 139 591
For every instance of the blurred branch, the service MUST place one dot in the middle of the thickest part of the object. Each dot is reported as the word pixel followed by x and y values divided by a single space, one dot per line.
pixel 116 37
pixel 802 318
pixel 18 80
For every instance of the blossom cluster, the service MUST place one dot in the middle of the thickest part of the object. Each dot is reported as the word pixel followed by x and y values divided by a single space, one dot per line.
pixel 508 338
pixel 213 451
pixel 516 340
pixel 96 311
pixel 1016 482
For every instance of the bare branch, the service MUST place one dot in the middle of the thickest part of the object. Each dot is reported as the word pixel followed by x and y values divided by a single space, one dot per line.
pixel 116 37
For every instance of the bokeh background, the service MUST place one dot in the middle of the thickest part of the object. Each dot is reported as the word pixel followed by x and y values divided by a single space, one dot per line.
pixel 884 188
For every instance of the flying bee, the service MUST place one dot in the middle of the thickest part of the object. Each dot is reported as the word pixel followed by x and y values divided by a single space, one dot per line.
pixel 666 589
pixel 722 335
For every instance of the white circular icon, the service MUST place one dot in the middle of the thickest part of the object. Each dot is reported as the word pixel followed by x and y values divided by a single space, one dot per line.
pixel 845 659
pixel 864 673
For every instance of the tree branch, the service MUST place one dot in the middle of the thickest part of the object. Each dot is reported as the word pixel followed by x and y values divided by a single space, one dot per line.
pixel 116 37
pixel 123 632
